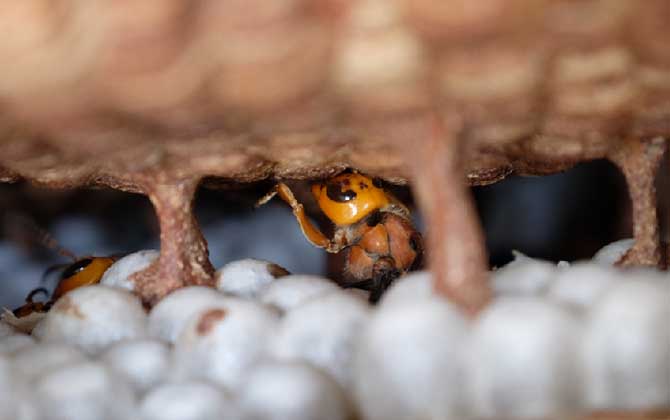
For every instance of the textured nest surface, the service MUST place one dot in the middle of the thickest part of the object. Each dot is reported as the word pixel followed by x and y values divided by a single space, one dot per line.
pixel 154 97
pixel 248 90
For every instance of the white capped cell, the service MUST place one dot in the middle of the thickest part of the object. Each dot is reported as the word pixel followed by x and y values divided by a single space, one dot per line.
pixel 9 388
pixel 169 316
pixel 16 392
pixel 6 330
pixel 408 364
pixel 523 360
pixel 38 329
pixel 582 283
pixel 611 253
pixel 83 391
pixel 94 317
pixel 291 291
pixel 190 400
pixel 118 274
pixel 143 362
pixel 291 391
pixel 358 293
pixel 16 395
pixel 41 359
pixel 412 286
pixel 524 275
pixel 5 370
pixel 16 343
pixel 627 346
pixel 221 342
pixel 248 277
pixel 323 331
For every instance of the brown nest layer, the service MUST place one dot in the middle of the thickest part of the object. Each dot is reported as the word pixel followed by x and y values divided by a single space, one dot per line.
pixel 154 97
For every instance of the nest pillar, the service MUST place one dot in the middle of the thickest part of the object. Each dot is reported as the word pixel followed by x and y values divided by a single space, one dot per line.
pixel 184 258
pixel 639 162
pixel 456 248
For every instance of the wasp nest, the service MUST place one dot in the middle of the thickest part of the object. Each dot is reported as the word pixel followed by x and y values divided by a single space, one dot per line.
pixel 154 97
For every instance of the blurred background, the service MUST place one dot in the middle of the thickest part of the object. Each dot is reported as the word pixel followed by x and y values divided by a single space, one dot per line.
pixel 565 216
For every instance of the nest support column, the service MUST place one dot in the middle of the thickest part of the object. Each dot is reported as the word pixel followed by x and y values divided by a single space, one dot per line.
pixel 639 160
pixel 184 258
pixel 456 247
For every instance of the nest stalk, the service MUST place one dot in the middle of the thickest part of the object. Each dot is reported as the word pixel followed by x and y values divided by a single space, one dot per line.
pixel 184 258
pixel 639 162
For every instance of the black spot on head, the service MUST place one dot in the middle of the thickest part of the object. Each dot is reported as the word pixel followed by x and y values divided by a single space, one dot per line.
pixel 363 185
pixel 336 193
pixel 75 268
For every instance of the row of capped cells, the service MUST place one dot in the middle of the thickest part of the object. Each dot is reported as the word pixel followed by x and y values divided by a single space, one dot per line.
pixel 189 62
pixel 556 341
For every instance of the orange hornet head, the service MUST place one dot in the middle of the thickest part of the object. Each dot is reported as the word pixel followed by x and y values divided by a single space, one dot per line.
pixel 84 272
pixel 347 198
